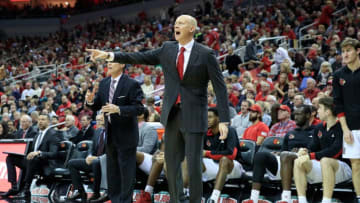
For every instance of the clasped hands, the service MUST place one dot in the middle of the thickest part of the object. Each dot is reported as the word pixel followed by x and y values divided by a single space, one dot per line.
pixel 303 155
pixel 32 155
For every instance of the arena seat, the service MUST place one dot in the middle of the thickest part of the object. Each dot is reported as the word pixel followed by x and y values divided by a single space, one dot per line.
pixel 246 153
pixel 271 144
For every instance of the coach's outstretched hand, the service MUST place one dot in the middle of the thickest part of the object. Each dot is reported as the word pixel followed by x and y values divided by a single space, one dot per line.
pixel 96 54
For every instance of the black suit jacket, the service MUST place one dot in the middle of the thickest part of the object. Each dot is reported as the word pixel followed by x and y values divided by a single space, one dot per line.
pixel 201 68
pixel 87 135
pixel 123 130
pixel 31 133
pixel 49 146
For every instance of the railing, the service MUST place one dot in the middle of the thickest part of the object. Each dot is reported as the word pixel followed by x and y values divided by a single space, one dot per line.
pixel 300 33
pixel 312 24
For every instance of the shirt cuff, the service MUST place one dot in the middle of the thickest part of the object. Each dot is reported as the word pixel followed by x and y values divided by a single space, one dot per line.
pixel 207 154
pixel 111 56
pixel 312 155
pixel 342 114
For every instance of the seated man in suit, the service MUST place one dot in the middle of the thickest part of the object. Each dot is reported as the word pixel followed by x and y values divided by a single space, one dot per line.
pixel 147 134
pixel 90 164
pixel 43 152
pixel 86 132
pixel 25 131
pixel 70 130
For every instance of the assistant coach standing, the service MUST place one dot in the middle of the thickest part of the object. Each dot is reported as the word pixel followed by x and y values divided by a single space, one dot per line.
pixel 188 66
pixel 119 97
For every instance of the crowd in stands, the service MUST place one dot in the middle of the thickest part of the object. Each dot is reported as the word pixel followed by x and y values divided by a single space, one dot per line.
pixel 58 10
pixel 265 87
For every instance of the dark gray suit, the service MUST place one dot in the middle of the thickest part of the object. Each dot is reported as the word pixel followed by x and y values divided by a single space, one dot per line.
pixel 185 125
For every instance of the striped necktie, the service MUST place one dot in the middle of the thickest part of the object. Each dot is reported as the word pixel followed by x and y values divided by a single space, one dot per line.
pixel 112 90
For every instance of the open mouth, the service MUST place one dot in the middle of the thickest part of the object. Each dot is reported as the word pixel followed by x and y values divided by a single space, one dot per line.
pixel 177 33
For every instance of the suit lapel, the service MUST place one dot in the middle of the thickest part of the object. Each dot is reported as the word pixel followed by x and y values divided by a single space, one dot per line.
pixel 119 86
pixel 193 57
pixel 107 89
pixel 173 56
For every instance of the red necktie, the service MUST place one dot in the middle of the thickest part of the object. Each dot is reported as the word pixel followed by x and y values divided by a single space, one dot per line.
pixel 180 68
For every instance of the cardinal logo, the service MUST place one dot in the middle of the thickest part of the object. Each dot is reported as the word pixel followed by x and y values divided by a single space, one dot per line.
pixel 242 144
pixel 342 82
pixel 276 141
pixel 319 134
pixel 208 143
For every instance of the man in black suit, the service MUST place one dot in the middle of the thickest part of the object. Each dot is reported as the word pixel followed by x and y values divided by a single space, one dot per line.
pixel 26 130
pixel 86 132
pixel 188 66
pixel 90 164
pixel 43 152
pixel 119 97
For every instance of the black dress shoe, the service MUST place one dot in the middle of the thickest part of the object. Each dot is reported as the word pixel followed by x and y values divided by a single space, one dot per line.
pixel 11 192
pixel 77 195
pixel 95 196
pixel 24 194
pixel 103 198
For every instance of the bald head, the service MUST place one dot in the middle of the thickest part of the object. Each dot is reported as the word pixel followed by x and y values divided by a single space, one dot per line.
pixel 185 26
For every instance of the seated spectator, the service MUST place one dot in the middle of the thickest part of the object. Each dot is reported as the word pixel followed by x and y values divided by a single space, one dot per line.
pixel 147 87
pixel 70 130
pixel 279 166
pixel 322 162
pixel 282 86
pixel 258 130
pixel 289 98
pixel 4 131
pixel 219 156
pixel 86 132
pixel 241 122
pixel 90 164
pixel 232 62
pixel 65 104
pixel 147 134
pixel 265 91
pixel 265 107
pixel 324 74
pixel 281 128
pixel 26 130
pixel 311 90
pixel 306 75
pixel 266 62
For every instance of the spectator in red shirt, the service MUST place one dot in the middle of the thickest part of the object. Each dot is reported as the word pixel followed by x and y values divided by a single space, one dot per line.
pixel 311 90
pixel 258 130
pixel 326 13
pixel 212 40
pixel 265 91
pixel 65 104
pixel 266 62
pixel 289 32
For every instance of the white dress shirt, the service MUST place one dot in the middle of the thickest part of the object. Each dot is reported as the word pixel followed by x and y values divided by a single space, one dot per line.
pixel 188 47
